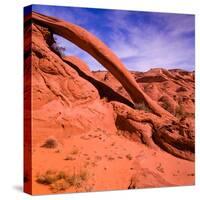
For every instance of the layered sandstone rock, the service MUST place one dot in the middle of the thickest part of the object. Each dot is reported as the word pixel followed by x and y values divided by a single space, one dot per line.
pixel 123 121
pixel 88 42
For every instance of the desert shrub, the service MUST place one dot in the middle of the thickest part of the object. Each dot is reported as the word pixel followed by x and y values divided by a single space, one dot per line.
pixel 142 106
pixel 58 49
pixel 76 180
pixel 47 178
pixel 166 105
pixel 61 181
pixel 180 112
pixel 60 185
pixel 83 175
pixel 105 99
pixel 61 175
pixel 50 143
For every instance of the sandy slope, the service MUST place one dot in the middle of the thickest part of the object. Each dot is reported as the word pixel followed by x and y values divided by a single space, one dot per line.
pixel 110 161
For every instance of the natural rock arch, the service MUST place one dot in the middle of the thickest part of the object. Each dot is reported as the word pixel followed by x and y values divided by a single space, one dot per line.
pixel 163 123
pixel 96 48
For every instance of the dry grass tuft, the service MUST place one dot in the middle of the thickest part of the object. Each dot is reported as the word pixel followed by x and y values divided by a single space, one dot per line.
pixel 60 181
pixel 180 112
pixel 50 143
pixel 142 106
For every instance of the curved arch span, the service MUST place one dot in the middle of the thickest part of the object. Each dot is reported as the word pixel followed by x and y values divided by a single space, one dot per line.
pixel 96 48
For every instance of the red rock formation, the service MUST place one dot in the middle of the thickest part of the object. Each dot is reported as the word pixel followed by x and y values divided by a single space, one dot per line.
pixel 101 53
pixel 93 123
pixel 107 58
pixel 175 137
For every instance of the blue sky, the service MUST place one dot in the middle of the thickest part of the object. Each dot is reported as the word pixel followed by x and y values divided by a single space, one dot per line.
pixel 142 40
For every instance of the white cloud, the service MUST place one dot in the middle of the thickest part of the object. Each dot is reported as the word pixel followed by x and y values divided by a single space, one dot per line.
pixel 149 47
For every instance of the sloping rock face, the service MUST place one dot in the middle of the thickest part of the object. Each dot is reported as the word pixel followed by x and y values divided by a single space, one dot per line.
pixel 98 128
pixel 174 91
pixel 60 97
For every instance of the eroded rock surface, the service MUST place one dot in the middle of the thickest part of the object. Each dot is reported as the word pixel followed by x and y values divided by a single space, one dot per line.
pixel 97 115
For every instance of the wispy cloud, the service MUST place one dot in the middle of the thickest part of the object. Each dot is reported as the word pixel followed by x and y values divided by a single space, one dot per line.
pixel 142 40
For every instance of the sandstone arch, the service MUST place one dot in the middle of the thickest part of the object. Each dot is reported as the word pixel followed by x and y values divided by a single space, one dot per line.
pixel 95 47
pixel 163 123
